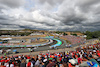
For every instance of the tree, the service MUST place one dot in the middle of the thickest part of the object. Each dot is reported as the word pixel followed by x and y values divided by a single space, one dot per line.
pixel 64 34
pixel 90 35
pixel 99 38
pixel 74 34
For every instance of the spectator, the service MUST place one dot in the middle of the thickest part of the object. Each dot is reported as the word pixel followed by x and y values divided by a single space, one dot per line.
pixel 84 57
pixel 23 63
pixel 93 60
pixel 29 64
pixel 2 64
pixel 51 64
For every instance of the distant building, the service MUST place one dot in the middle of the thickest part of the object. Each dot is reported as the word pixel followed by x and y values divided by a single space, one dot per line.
pixel 6 38
pixel 32 34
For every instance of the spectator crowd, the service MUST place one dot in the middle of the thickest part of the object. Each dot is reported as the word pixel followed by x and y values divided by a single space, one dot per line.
pixel 74 39
pixel 83 56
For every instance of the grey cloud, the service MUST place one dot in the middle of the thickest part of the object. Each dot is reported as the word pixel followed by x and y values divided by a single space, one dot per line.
pixel 87 5
pixel 45 23
pixel 2 17
pixel 48 4
pixel 12 3
pixel 66 16
pixel 2 6
pixel 73 20
pixel 51 2
pixel 6 20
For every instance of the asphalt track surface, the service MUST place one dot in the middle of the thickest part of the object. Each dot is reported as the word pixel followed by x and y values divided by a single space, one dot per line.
pixel 44 48
pixel 59 43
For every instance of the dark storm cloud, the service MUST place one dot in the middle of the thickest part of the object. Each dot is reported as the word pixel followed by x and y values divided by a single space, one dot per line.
pixel 25 27
pixel 12 3
pixel 73 20
pixel 87 5
pixel 45 23
pixel 51 2
pixel 2 17
pixel 66 15
pixel 3 7
pixel 6 20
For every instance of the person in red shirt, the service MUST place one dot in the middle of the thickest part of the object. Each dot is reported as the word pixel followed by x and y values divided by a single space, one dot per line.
pixel 60 59
pixel 69 65
pixel 79 60
pixel 29 63
pixel 28 57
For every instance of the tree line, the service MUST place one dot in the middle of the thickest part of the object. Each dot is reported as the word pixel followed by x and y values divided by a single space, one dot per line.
pixel 91 35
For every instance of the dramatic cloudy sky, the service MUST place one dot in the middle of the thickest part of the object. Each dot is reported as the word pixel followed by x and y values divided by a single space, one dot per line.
pixel 65 15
